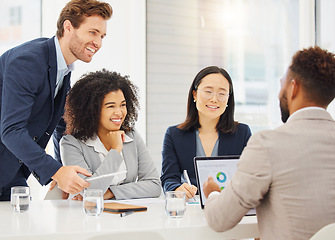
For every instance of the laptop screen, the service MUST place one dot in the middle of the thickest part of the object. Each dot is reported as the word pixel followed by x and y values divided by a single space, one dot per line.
pixel 220 168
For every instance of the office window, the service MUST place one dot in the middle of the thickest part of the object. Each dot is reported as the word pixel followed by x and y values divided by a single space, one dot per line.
pixel 253 40
pixel 325 35
pixel 15 15
pixel 20 21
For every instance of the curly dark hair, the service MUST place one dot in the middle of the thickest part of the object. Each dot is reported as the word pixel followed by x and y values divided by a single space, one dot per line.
pixel 314 68
pixel 226 123
pixel 76 10
pixel 84 102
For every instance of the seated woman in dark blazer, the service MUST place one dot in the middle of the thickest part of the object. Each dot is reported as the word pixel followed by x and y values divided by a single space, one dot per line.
pixel 100 113
pixel 209 130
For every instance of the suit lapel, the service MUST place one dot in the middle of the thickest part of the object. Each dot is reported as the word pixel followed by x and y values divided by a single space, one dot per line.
pixel 56 104
pixel 59 101
pixel 52 74
pixel 222 146
pixel 187 144
pixel 52 62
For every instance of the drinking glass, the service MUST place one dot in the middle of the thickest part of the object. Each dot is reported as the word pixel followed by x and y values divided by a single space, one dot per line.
pixel 93 203
pixel 175 204
pixel 19 198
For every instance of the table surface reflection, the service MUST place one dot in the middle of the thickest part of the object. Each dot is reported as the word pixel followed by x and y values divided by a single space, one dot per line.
pixel 65 219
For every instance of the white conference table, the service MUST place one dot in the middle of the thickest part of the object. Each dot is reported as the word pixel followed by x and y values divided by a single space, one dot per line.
pixel 65 219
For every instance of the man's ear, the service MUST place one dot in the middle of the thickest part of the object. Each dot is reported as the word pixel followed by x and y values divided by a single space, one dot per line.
pixel 295 88
pixel 67 25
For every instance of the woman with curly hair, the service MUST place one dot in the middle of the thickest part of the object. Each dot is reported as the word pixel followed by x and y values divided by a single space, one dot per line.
pixel 100 113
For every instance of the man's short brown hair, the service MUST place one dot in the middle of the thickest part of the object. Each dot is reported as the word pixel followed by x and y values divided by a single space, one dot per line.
pixel 76 10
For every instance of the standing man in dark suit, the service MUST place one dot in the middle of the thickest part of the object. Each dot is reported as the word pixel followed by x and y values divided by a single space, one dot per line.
pixel 34 81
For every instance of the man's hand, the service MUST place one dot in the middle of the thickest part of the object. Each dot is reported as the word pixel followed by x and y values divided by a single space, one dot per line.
pixel 189 190
pixel 68 180
pixel 210 186
pixel 52 185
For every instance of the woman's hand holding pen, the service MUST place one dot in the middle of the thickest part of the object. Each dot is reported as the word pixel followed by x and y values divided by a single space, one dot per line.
pixel 116 140
pixel 190 190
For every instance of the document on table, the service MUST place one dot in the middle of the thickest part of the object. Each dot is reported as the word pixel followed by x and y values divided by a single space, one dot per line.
pixel 57 193
pixel 104 176
pixel 140 201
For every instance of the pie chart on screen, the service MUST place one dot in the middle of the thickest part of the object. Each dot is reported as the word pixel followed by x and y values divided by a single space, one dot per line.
pixel 221 177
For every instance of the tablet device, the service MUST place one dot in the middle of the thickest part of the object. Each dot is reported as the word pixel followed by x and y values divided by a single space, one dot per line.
pixel 221 168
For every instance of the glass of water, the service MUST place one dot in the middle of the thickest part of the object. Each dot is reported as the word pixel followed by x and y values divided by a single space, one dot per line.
pixel 19 198
pixel 175 204
pixel 93 202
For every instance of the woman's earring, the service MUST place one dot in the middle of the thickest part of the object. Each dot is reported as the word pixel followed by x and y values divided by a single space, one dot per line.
pixel 193 100
pixel 227 105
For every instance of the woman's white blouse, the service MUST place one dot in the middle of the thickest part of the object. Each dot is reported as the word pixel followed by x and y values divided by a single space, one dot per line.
pixel 102 151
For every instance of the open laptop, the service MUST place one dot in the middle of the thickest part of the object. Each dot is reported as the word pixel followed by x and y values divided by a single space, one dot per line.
pixel 221 168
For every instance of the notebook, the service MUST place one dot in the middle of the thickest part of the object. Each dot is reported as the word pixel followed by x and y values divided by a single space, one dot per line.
pixel 115 207
pixel 221 168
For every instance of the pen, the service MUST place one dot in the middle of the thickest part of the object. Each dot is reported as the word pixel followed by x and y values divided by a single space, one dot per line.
pixel 188 180
pixel 126 213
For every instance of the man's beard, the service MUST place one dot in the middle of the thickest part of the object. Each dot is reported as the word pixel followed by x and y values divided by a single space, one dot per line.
pixel 75 48
pixel 284 108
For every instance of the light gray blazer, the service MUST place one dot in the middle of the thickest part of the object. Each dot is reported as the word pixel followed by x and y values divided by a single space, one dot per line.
pixel 288 174
pixel 142 179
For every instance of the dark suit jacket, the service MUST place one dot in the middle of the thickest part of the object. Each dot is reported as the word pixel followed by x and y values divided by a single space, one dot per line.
pixel 179 148
pixel 29 112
